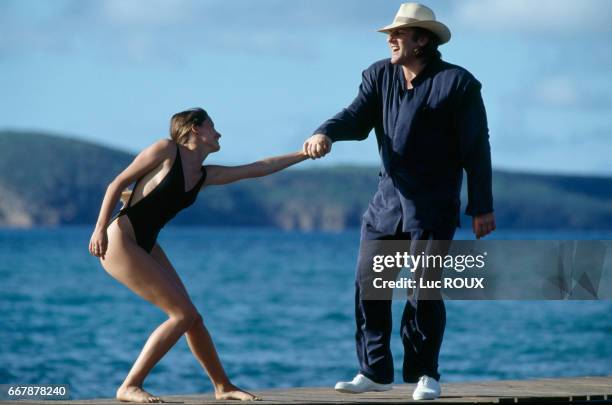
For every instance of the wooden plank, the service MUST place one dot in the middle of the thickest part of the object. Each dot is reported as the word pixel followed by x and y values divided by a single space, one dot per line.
pixel 549 390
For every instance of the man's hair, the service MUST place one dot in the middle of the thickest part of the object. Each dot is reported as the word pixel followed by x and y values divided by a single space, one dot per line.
pixel 430 50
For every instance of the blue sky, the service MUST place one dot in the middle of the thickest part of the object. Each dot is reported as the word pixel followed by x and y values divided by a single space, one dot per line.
pixel 270 71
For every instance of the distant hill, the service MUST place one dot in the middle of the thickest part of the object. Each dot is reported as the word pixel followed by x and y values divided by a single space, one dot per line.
pixel 53 180
pixel 48 180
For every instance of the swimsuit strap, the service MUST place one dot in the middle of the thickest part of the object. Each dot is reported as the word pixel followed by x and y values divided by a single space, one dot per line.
pixel 178 155
pixel 129 203
pixel 176 159
pixel 202 179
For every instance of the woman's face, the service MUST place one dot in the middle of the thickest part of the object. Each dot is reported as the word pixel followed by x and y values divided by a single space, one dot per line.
pixel 209 135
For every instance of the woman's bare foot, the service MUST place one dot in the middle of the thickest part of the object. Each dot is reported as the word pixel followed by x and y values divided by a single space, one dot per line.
pixel 233 392
pixel 133 393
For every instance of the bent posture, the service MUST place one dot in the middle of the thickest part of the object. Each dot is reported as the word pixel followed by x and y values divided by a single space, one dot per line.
pixel 168 174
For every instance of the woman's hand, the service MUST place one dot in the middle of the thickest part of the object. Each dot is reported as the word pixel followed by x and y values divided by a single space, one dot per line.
pixel 98 242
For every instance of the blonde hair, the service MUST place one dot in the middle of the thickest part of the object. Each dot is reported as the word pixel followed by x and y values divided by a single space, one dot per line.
pixel 182 123
pixel 125 197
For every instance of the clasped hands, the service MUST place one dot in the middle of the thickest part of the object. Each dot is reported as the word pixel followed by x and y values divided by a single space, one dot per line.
pixel 317 146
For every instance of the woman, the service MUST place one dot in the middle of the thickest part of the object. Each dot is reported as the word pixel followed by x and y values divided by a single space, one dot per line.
pixel 168 176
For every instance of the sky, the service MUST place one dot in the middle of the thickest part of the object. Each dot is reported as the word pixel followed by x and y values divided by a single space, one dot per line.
pixel 269 72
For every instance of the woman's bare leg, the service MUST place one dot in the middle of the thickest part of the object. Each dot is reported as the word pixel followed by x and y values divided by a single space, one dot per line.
pixel 201 344
pixel 133 267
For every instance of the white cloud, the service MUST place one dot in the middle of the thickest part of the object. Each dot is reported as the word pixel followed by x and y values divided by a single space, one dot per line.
pixel 567 93
pixel 542 16
pixel 559 91
pixel 153 12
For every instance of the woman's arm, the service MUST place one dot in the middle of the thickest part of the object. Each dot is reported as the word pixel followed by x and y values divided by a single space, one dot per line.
pixel 217 175
pixel 146 161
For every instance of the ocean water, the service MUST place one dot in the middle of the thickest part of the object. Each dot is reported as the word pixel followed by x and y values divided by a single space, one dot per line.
pixel 279 306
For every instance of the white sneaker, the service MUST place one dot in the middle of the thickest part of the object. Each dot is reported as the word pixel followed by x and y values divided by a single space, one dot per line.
pixel 361 383
pixel 427 388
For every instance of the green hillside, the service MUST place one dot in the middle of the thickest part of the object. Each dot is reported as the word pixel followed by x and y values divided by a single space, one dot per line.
pixel 52 180
pixel 48 180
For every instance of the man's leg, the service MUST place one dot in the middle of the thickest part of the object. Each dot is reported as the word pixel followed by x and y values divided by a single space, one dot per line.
pixel 422 330
pixel 424 317
pixel 372 339
pixel 373 323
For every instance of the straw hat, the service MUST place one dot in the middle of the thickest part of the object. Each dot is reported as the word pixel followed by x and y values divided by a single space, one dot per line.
pixel 418 15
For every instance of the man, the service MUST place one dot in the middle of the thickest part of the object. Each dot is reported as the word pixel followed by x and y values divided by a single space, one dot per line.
pixel 430 124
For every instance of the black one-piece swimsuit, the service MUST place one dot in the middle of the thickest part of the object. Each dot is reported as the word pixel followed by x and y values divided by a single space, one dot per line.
pixel 149 215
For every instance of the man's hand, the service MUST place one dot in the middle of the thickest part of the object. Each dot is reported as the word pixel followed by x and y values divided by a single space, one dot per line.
pixel 483 224
pixel 317 146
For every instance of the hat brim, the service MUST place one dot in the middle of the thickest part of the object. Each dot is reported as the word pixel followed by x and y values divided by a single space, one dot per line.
pixel 439 29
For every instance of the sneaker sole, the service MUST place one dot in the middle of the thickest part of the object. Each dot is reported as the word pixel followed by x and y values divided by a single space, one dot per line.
pixel 346 391
pixel 425 397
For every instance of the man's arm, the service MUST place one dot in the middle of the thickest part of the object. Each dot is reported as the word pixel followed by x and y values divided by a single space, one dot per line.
pixel 352 123
pixel 476 158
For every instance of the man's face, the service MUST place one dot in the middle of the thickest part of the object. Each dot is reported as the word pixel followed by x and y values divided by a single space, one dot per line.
pixel 401 44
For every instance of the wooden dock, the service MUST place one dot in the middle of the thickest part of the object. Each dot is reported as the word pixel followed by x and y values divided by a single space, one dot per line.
pixel 576 390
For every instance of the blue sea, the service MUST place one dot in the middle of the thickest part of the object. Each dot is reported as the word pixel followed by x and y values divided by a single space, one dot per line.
pixel 279 306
